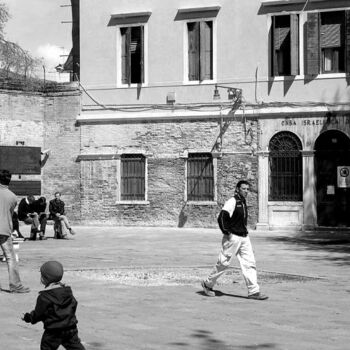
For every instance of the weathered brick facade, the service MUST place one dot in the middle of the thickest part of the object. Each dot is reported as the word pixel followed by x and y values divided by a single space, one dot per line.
pixel 90 187
pixel 47 121
pixel 164 143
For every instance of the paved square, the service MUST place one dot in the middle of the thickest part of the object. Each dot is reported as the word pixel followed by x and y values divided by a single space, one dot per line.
pixel 139 288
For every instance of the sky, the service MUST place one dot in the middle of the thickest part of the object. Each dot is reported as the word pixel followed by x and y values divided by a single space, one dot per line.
pixel 36 26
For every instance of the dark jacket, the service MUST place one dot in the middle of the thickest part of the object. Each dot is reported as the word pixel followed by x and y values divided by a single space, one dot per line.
pixel 237 223
pixel 39 206
pixel 56 206
pixel 55 307
pixel 23 209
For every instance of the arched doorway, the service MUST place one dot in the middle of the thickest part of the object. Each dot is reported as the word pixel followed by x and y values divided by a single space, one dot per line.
pixel 332 154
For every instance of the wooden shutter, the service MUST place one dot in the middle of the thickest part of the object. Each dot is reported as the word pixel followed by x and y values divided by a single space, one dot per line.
pixel 193 51
pixel 273 48
pixel 281 29
pixel 294 44
pixel 347 41
pixel 312 63
pixel 142 63
pixel 206 50
pixel 126 58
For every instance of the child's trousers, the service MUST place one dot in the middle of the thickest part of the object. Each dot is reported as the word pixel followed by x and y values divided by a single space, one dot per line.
pixel 52 339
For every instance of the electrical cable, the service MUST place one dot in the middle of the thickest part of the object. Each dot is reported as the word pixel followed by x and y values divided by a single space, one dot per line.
pixel 307 1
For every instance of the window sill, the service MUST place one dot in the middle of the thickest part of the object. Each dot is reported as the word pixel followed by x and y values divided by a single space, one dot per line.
pixel 139 202
pixel 131 86
pixel 331 75
pixel 287 77
pixel 203 203
pixel 198 82
pixel 302 77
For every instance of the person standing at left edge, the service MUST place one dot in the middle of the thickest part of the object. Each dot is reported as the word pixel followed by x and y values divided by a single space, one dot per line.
pixel 233 224
pixel 8 202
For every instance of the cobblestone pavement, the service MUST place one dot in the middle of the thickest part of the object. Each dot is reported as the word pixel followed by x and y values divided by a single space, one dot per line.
pixel 139 288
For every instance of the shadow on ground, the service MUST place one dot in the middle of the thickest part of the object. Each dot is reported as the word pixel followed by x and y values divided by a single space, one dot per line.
pixel 336 244
pixel 207 341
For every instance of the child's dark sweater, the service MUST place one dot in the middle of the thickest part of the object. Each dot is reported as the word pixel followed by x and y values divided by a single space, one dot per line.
pixel 55 307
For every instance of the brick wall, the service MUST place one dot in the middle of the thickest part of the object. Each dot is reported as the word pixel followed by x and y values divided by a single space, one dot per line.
pixel 164 144
pixel 62 136
pixel 89 187
pixel 46 121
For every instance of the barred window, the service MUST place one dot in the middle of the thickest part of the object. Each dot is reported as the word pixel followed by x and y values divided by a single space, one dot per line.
pixel 200 177
pixel 285 168
pixel 133 177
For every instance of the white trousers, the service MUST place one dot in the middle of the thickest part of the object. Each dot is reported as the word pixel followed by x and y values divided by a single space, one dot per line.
pixel 242 248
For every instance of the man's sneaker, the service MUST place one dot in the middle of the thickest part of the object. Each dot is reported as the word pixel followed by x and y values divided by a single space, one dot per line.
pixel 207 291
pixel 258 296
pixel 72 232
pixel 20 290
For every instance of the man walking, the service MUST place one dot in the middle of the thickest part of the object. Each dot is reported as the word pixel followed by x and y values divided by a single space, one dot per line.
pixel 233 224
pixel 8 202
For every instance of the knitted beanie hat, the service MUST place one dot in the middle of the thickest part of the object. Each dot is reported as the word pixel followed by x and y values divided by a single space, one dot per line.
pixel 52 271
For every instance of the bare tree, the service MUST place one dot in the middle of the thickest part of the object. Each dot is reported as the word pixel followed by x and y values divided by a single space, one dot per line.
pixel 13 59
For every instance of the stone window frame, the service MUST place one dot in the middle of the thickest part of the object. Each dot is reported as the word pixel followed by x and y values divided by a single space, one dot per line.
pixel 120 83
pixel 119 160
pixel 186 80
pixel 292 157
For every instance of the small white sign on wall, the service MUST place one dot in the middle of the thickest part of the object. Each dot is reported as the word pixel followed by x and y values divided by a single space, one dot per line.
pixel 343 175
pixel 330 189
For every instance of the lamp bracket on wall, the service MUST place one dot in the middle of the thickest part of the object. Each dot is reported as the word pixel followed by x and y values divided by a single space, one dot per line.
pixel 233 94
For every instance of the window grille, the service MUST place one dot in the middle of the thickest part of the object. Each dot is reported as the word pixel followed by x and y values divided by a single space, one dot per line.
pixel 133 177
pixel 285 168
pixel 200 177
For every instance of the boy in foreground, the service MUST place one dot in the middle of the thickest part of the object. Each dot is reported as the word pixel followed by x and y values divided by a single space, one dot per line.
pixel 55 307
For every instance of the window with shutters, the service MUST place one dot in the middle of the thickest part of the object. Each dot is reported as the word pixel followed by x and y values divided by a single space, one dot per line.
pixel 132 55
pixel 200 177
pixel 332 41
pixel 200 50
pixel 285 167
pixel 133 177
pixel 285 45
pixel 327 42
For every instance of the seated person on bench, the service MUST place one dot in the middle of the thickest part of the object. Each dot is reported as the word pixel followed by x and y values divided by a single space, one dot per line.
pixel 39 207
pixel 27 214
pixel 57 213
